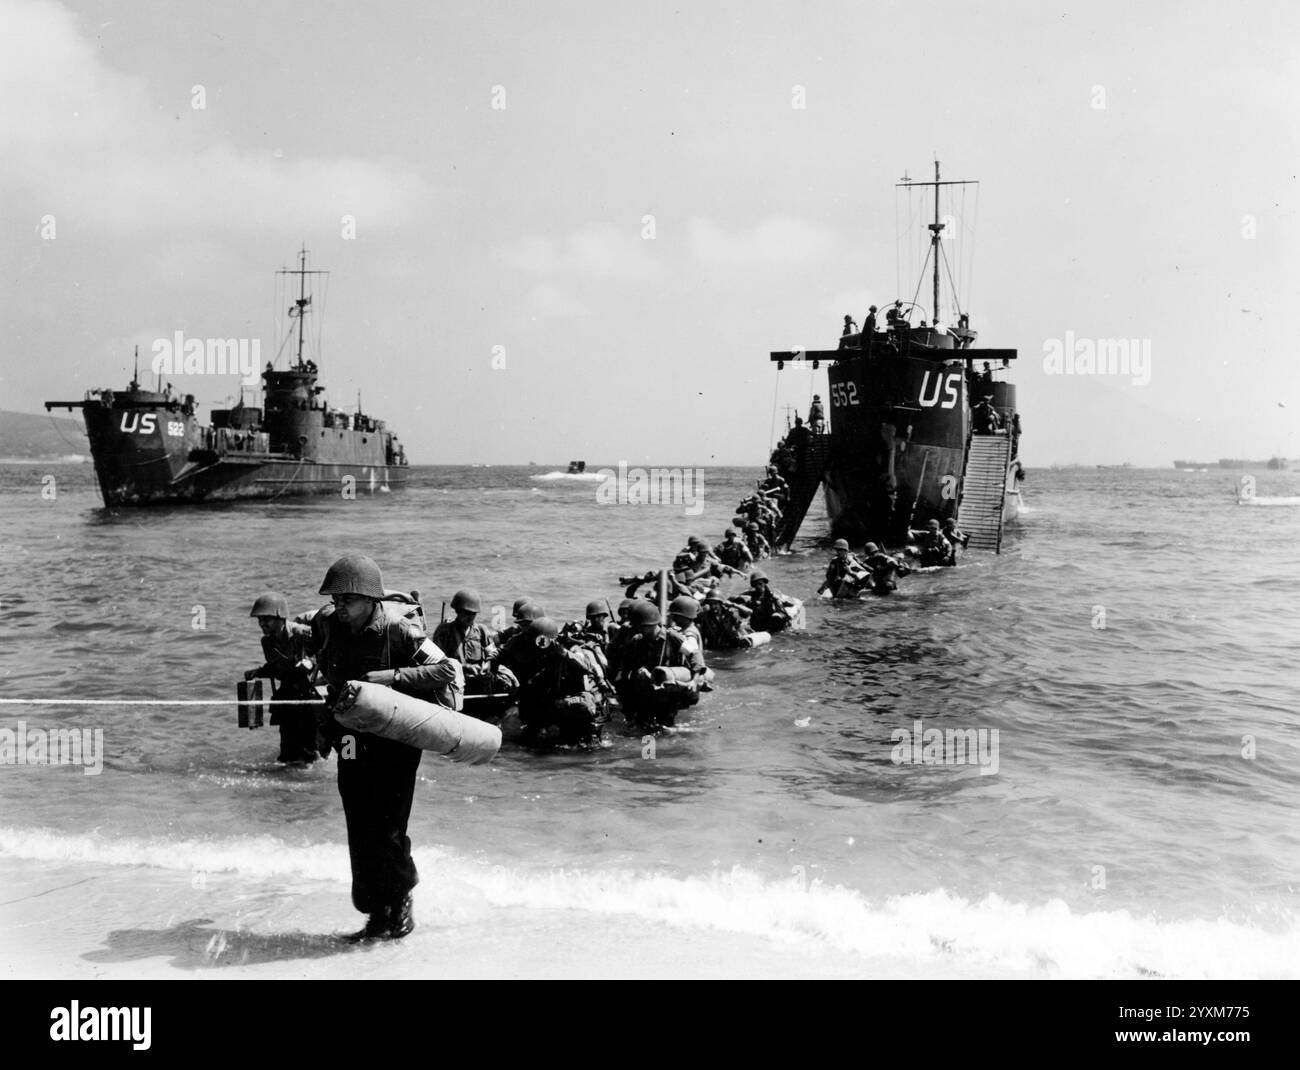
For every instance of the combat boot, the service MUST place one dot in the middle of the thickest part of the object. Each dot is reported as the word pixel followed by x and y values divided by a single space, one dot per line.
pixel 376 927
pixel 400 920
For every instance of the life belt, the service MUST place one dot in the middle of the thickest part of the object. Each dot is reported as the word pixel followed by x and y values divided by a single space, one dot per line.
pixel 381 711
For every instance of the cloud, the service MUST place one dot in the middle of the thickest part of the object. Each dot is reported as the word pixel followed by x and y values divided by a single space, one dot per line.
pixel 598 251
pixel 547 301
pixel 86 144
pixel 780 242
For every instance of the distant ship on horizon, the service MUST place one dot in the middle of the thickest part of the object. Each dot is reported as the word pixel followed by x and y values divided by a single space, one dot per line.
pixel 1273 463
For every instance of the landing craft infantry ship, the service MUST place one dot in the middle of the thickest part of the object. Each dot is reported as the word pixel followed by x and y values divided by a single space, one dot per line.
pixel 903 448
pixel 149 447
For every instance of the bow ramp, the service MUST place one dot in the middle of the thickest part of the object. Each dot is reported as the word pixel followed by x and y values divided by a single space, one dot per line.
pixel 803 486
pixel 984 491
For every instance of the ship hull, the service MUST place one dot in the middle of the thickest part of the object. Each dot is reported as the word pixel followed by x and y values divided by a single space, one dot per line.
pixel 256 478
pixel 157 454
pixel 900 429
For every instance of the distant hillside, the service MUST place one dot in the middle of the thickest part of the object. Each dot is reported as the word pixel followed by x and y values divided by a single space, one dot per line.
pixel 40 438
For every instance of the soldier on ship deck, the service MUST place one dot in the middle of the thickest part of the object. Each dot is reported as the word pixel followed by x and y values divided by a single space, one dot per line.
pixel 816 415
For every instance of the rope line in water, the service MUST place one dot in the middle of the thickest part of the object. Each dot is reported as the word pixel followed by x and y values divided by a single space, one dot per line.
pixel 161 702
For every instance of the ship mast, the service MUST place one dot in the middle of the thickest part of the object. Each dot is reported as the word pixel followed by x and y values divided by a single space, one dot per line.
pixel 302 280
pixel 302 302
pixel 936 230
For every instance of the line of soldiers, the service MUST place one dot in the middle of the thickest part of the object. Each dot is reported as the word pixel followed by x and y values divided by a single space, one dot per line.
pixel 760 513
pixel 562 675
pixel 847 575
pixel 726 622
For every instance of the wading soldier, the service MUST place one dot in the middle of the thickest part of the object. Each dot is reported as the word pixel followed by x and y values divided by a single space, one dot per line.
pixel 287 647
pixel 363 638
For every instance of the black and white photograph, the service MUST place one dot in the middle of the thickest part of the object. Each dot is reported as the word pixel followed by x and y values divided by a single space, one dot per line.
pixel 607 490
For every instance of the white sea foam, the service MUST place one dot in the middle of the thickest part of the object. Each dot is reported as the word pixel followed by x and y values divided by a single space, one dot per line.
pixel 934 928
pixel 576 477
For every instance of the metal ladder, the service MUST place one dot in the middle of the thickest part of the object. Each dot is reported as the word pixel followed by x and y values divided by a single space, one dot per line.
pixel 984 491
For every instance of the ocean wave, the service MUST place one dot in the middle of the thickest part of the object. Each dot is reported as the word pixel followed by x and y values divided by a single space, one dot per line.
pixel 576 477
pixel 934 928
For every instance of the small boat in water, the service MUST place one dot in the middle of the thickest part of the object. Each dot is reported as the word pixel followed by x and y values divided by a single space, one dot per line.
pixel 577 473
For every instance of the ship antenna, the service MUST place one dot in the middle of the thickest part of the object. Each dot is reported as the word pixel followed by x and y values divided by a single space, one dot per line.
pixel 302 303
pixel 936 230
pixel 135 379
pixel 302 297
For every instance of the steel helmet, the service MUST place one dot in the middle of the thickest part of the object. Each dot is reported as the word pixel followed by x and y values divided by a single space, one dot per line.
pixel 757 576
pixel 695 541
pixel 544 627
pixel 730 533
pixel 840 544
pixel 627 603
pixel 524 608
pixel 950 523
pixel 872 308
pixel 871 548
pixel 354 574
pixel 467 600
pixel 684 606
pixel 714 595
pixel 597 608
pixel 933 525
pixel 752 526
pixel 271 604
pixel 643 613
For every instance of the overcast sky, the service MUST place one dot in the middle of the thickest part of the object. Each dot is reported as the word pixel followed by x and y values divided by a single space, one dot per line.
pixel 1137 167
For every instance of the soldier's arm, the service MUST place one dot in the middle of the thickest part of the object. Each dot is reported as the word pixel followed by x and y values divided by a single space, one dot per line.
pixel 420 667
pixel 694 657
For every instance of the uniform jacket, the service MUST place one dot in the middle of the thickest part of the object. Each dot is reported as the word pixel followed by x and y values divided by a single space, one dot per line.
pixel 388 640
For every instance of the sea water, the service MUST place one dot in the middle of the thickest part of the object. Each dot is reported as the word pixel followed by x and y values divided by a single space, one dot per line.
pixel 1123 673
